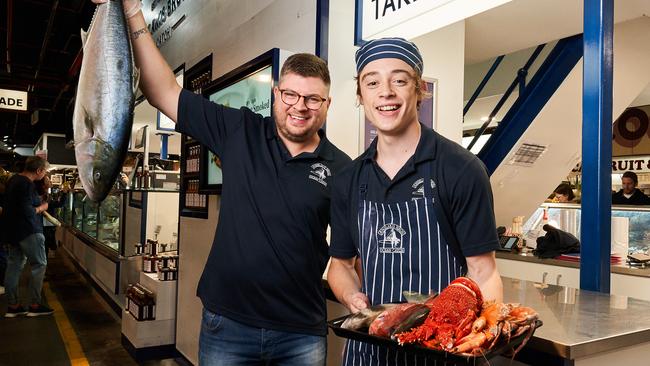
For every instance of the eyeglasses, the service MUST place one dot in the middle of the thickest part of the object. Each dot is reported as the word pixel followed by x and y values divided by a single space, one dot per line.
pixel 290 97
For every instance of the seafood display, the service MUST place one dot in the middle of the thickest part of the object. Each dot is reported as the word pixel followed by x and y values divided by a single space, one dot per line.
pixel 457 321
pixel 103 112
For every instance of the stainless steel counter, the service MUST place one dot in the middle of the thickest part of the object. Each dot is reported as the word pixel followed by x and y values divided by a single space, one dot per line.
pixel 579 323
pixel 617 268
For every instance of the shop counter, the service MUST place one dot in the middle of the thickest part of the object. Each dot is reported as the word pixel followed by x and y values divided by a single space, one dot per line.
pixel 583 327
pixel 625 280
pixel 102 237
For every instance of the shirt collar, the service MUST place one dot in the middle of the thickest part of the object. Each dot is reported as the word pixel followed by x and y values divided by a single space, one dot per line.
pixel 426 149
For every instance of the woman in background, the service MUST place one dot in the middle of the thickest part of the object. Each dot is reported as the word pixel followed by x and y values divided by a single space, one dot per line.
pixel 564 193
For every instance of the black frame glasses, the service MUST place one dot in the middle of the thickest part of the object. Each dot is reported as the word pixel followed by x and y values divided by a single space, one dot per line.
pixel 313 102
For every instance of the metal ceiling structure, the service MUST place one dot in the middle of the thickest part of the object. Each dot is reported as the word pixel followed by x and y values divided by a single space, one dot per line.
pixel 41 54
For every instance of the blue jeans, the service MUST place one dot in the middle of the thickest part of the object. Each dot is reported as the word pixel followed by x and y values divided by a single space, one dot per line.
pixel 31 248
pixel 225 342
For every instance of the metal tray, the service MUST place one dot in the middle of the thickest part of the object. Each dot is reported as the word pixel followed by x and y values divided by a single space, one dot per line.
pixel 446 357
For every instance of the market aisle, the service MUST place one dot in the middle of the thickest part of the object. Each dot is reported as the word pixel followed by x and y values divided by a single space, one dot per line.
pixel 83 331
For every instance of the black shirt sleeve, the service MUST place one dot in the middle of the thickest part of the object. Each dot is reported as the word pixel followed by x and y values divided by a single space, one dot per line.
pixel 341 242
pixel 209 123
pixel 473 210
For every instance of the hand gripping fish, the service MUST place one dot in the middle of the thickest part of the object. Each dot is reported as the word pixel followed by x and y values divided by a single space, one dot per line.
pixel 103 113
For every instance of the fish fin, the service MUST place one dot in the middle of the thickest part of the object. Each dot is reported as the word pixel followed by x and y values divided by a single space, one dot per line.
pixel 88 122
pixel 136 79
pixel 84 36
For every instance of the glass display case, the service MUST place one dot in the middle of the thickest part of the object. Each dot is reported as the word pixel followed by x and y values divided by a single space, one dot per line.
pixel 100 221
pixel 630 222
pixel 90 218
pixel 78 209
pixel 108 225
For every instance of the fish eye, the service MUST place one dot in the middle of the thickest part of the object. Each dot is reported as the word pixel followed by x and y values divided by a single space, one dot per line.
pixel 97 175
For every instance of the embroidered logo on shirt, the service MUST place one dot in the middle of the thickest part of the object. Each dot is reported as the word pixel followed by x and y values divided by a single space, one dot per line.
pixel 389 239
pixel 418 188
pixel 319 173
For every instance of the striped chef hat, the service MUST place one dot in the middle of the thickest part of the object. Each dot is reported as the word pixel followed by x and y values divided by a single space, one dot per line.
pixel 389 48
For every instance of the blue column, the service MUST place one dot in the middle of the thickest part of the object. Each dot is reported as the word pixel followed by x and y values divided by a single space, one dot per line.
pixel 164 141
pixel 595 225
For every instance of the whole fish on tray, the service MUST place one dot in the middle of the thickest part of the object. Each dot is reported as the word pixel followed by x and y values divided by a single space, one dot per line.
pixel 103 113
pixel 363 318
pixel 398 319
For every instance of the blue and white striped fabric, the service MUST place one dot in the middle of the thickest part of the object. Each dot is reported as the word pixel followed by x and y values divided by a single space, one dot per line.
pixel 389 48
pixel 401 249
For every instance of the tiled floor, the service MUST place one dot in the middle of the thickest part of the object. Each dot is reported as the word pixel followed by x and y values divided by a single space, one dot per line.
pixel 39 341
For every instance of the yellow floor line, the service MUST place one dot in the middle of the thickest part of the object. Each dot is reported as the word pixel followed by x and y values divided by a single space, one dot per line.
pixel 69 336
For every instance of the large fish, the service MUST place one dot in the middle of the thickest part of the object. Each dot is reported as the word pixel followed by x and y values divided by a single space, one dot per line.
pixel 398 319
pixel 103 113
pixel 363 318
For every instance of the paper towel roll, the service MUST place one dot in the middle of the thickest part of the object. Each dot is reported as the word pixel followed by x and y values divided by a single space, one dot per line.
pixel 620 235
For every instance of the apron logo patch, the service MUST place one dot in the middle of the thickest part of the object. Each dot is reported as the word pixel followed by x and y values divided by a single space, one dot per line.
pixel 319 173
pixel 389 239
pixel 418 188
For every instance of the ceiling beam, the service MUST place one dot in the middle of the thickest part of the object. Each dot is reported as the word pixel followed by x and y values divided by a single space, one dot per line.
pixel 10 29
pixel 46 39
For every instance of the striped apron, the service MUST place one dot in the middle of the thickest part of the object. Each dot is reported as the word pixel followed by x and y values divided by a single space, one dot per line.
pixel 401 249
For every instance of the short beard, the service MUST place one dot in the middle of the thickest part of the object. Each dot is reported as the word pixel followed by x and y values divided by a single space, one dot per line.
pixel 293 137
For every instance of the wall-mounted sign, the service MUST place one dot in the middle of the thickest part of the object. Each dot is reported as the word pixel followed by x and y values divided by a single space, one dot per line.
pixel 13 99
pixel 158 28
pixel 412 18
pixel 637 164
pixel 380 15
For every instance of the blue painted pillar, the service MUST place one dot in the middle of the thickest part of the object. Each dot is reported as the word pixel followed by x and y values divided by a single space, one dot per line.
pixel 164 142
pixel 595 225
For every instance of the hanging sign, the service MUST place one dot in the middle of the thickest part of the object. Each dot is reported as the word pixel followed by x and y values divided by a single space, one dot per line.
pixel 13 99
pixel 631 132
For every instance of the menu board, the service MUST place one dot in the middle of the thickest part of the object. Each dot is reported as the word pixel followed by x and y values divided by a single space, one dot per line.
pixel 254 92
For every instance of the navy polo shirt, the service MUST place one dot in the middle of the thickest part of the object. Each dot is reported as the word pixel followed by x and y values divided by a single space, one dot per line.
pixel 269 251
pixel 19 209
pixel 462 179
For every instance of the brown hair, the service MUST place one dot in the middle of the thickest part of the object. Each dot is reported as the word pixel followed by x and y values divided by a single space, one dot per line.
pixel 631 175
pixel 421 94
pixel 306 65
pixel 565 189
pixel 34 163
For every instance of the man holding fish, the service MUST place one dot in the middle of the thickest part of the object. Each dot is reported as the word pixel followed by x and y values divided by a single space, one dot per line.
pixel 261 288
pixel 416 209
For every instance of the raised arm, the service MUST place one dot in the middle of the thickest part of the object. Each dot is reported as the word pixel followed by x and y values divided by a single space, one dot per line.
pixel 157 80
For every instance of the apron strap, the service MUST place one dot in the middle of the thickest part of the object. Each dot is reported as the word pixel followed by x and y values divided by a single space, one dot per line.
pixel 441 208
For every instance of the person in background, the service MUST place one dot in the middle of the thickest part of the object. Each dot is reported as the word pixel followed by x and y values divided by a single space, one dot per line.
pixel 4 176
pixel 49 229
pixel 388 207
pixel 563 193
pixel 629 194
pixel 23 209
pixel 261 288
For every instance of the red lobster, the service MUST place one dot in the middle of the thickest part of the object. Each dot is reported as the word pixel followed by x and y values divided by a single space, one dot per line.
pixel 451 317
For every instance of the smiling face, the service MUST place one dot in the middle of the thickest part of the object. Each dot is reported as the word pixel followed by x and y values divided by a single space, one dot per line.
pixel 297 123
pixel 388 92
